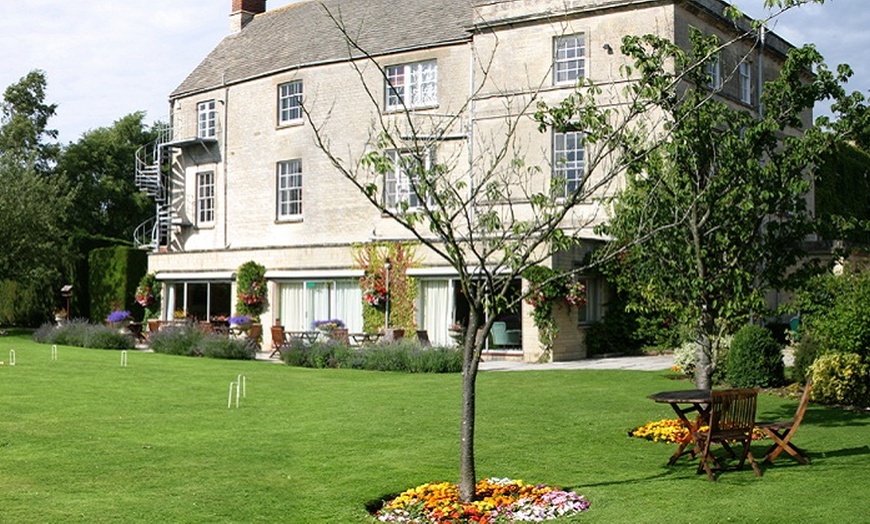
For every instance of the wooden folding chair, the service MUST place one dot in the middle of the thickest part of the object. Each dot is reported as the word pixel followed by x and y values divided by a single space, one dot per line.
pixel 277 340
pixel 782 431
pixel 732 417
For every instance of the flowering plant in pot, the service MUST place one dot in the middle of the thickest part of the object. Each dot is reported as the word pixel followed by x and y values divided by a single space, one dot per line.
pixel 118 318
pixel 327 325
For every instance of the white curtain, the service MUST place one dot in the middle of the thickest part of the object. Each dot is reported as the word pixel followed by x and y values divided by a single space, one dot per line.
pixel 348 304
pixel 292 306
pixel 317 307
pixel 435 309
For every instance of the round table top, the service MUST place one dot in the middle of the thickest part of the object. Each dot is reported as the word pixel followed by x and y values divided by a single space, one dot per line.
pixel 684 396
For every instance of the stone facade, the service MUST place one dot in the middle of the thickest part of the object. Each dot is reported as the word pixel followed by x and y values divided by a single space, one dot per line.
pixel 496 53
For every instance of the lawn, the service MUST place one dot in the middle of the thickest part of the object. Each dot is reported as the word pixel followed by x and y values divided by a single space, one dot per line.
pixel 83 439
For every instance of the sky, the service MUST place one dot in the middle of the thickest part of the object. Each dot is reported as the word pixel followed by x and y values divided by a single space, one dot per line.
pixel 105 59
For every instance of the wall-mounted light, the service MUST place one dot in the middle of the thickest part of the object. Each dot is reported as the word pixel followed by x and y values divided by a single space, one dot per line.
pixel 608 49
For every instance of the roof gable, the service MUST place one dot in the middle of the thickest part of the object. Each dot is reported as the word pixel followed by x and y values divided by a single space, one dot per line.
pixel 302 34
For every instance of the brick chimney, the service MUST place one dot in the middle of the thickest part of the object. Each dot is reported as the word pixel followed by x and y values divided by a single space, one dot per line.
pixel 243 12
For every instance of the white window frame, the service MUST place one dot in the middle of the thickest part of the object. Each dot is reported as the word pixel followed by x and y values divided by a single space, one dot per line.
pixel 569 163
pixel 205 197
pixel 713 68
pixel 288 174
pixel 745 81
pixel 411 86
pixel 591 311
pixel 206 119
pixel 569 59
pixel 290 102
pixel 398 186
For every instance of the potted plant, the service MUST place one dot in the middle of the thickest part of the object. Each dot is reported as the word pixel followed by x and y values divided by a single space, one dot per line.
pixel 326 326
pixel 240 323
pixel 118 319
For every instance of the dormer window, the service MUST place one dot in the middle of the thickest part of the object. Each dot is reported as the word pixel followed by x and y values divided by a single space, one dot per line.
pixel 411 86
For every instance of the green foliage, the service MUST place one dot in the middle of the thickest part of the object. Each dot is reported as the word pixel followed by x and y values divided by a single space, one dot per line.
pixel 80 333
pixel 212 346
pixel 547 288
pixel 836 310
pixel 114 275
pixel 148 295
pixel 701 202
pixel 842 198
pixel 372 258
pixel 618 332
pixel 841 378
pixel 755 359
pixel 189 341
pixel 806 350
pixel 404 356
pixel 24 129
pixel 252 290
pixel 99 169
pixel 176 340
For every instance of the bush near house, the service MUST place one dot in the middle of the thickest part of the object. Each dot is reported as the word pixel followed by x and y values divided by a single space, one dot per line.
pixel 191 342
pixel 404 356
pixel 80 333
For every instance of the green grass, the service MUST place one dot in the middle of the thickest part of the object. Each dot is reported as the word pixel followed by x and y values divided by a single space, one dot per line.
pixel 84 440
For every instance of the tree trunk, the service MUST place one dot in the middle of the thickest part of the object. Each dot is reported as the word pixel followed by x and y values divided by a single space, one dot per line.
pixel 470 361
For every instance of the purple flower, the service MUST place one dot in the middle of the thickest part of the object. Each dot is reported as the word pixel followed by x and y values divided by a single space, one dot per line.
pixel 118 316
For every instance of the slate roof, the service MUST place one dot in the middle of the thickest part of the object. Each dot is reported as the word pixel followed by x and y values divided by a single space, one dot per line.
pixel 303 34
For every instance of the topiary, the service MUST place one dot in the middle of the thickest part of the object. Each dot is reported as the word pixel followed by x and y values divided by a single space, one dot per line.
pixel 755 359
pixel 841 378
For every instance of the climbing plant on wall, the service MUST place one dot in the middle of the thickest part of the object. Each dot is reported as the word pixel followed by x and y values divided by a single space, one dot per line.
pixel 548 288
pixel 402 293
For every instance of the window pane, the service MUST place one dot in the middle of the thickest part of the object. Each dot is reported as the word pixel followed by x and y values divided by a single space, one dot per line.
pixel 205 197
pixel 289 197
pixel 568 163
pixel 569 59
pixel 290 102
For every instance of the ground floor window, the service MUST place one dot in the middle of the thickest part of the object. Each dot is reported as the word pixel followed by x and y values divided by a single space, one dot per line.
pixel 591 311
pixel 442 305
pixel 199 300
pixel 305 301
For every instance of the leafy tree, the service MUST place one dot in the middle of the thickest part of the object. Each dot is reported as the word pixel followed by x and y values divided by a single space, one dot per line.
pixel 721 204
pixel 34 204
pixel 24 131
pixel 100 168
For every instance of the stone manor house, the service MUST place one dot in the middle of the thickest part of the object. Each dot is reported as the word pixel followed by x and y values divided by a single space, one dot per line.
pixel 238 175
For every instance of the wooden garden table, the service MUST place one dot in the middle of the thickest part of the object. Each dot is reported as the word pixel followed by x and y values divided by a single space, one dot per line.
pixel 684 402
pixel 365 338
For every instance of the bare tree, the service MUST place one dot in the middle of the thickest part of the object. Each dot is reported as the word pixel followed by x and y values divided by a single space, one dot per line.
pixel 474 199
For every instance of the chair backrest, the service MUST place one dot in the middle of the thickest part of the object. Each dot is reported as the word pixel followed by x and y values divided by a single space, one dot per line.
pixel 340 335
pixel 277 336
pixel 732 412
pixel 423 338
pixel 802 407
pixel 255 332
pixel 499 333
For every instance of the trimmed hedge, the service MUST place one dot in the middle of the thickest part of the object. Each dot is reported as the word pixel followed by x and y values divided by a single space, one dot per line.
pixel 841 378
pixel 113 276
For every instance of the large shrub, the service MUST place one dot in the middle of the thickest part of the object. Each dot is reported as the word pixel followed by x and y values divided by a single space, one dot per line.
pixel 835 309
pixel 403 356
pixel 755 359
pixel 179 340
pixel 841 378
pixel 212 346
pixel 686 356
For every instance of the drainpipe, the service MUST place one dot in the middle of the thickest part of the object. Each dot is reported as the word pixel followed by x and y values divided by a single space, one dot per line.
pixel 761 33
pixel 224 156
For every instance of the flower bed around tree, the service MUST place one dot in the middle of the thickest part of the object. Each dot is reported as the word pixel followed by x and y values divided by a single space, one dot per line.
pixel 496 501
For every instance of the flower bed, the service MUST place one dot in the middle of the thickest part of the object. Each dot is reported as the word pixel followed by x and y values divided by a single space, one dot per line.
pixel 673 431
pixel 496 501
